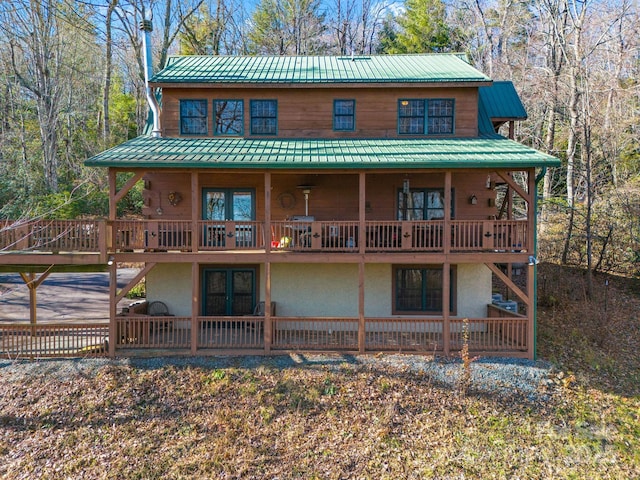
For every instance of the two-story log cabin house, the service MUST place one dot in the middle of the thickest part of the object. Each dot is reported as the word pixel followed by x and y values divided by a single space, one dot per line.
pixel 330 203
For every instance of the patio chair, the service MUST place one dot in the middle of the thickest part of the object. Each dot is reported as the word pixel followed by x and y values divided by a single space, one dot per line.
pixel 259 311
pixel 159 309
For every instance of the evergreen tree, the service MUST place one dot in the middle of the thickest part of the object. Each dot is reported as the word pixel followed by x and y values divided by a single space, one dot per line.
pixel 423 29
pixel 287 27
pixel 387 36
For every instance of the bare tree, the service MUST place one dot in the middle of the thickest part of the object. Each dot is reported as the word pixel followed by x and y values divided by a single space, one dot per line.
pixel 108 67
pixel 36 54
pixel 287 27
pixel 171 18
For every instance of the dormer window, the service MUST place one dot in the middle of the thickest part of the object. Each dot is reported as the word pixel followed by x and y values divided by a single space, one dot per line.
pixel 344 115
pixel 440 116
pixel 229 117
pixel 193 117
pixel 264 117
pixel 432 116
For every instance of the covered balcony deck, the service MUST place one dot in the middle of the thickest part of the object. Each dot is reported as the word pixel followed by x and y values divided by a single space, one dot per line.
pixel 102 237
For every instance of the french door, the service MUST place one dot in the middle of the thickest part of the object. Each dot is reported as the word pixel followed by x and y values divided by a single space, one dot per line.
pixel 229 205
pixel 229 291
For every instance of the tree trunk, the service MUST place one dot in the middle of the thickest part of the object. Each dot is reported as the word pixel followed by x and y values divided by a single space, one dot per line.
pixel 572 142
pixel 106 87
pixel 39 39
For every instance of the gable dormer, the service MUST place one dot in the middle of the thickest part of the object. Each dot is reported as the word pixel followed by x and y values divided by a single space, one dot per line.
pixel 383 96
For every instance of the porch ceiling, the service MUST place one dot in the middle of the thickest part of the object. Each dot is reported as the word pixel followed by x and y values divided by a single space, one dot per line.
pixel 487 151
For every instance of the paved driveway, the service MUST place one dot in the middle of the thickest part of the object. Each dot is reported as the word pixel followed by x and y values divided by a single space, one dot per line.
pixel 62 296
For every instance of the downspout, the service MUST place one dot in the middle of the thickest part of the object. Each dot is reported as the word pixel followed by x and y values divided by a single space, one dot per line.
pixel 147 27
pixel 535 271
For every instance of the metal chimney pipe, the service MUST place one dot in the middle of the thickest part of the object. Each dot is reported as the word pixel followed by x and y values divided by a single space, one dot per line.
pixel 147 27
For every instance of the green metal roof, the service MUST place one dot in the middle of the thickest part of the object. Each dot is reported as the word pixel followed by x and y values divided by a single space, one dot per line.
pixel 424 68
pixel 488 151
pixel 485 125
pixel 501 101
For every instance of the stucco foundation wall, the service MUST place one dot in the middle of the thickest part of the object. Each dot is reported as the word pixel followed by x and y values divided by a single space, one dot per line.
pixel 323 290
pixel 332 290
pixel 315 290
pixel 474 290
pixel 171 284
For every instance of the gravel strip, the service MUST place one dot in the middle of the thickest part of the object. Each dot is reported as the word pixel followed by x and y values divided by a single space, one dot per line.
pixel 495 376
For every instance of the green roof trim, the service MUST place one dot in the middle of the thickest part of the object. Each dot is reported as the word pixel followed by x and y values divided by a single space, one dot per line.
pixel 501 101
pixel 424 68
pixel 488 151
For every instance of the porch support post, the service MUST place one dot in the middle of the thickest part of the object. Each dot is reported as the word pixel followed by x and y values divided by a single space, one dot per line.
pixel 194 308
pixel 509 203
pixel 33 283
pixel 268 322
pixel 102 240
pixel 362 226
pixel 113 284
pixel 362 185
pixel 531 270
pixel 195 195
pixel 33 301
pixel 446 237
pixel 112 194
pixel 361 320
pixel 267 213
pixel 531 318
pixel 531 211
pixel 112 208
pixel 446 295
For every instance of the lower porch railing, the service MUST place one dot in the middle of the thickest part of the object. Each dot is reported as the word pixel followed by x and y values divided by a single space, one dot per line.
pixel 231 332
pixel 303 333
pixel 506 334
pixel 53 340
pixel 135 332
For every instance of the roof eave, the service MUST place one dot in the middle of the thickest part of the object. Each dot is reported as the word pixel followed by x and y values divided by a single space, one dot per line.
pixel 508 119
pixel 289 85
pixel 442 165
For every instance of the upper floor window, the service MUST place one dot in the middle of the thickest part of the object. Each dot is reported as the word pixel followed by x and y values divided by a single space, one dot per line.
pixel 344 115
pixel 193 117
pixel 229 117
pixel 264 117
pixel 440 116
pixel 425 116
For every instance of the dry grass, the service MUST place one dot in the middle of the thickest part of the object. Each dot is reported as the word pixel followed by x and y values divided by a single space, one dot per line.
pixel 325 422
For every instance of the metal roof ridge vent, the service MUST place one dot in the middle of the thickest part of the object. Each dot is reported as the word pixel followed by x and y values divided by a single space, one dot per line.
pixel 147 27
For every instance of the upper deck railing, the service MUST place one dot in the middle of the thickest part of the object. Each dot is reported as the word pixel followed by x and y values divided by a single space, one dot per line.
pixel 60 236
pixel 53 236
